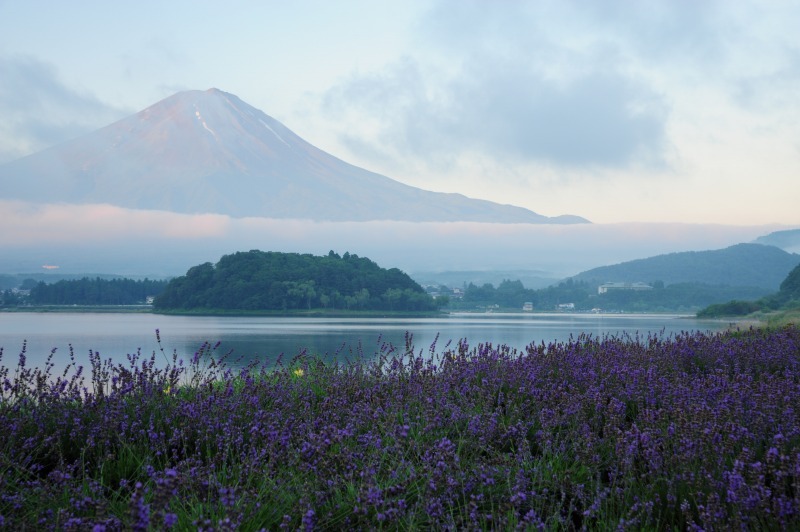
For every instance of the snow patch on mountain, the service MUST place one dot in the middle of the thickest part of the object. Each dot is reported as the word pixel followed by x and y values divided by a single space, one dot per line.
pixel 209 129
pixel 233 105
pixel 273 132
pixel 202 121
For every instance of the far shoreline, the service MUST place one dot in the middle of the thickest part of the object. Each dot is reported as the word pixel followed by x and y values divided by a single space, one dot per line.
pixel 331 313
pixel 148 309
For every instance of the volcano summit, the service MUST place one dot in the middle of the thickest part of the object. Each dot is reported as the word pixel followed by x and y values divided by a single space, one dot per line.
pixel 210 152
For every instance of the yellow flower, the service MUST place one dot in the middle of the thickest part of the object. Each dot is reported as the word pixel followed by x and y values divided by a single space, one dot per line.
pixel 299 372
pixel 167 390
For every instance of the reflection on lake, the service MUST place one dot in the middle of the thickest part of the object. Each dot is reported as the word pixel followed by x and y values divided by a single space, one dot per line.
pixel 114 335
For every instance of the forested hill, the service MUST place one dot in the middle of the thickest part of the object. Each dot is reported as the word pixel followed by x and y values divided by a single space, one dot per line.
pixel 264 280
pixel 753 265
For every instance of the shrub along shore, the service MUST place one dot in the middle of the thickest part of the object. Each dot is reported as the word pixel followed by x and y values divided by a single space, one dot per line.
pixel 639 432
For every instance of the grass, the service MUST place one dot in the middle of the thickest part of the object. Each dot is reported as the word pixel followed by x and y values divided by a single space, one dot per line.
pixel 784 318
pixel 648 433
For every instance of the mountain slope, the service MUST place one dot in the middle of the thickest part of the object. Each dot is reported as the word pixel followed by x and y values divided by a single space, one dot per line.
pixel 788 240
pixel 208 151
pixel 753 265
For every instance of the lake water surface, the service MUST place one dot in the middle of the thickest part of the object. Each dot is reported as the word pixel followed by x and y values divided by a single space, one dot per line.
pixel 114 335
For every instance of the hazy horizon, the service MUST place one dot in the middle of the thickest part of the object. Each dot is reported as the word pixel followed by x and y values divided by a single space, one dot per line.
pixel 114 240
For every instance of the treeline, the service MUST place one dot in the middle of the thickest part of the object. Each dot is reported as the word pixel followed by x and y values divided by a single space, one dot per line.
pixel 9 298
pixel 512 295
pixel 259 280
pixel 95 291
pixel 583 295
pixel 787 297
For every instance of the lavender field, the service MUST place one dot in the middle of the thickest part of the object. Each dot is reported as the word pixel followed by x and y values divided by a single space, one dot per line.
pixel 688 431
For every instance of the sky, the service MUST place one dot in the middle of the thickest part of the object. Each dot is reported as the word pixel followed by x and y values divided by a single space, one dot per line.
pixel 618 111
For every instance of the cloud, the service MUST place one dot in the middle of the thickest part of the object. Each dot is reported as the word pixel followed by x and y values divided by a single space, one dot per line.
pixel 601 119
pixel 104 238
pixel 569 85
pixel 775 88
pixel 39 110
pixel 491 86
pixel 68 224
pixel 745 51
pixel 659 32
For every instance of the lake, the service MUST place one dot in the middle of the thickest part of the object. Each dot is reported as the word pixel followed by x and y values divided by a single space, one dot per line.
pixel 114 335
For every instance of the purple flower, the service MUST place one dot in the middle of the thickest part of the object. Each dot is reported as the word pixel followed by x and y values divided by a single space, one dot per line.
pixel 170 520
pixel 308 520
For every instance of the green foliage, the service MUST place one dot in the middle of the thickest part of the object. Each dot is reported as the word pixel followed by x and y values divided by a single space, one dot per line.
pixel 679 297
pixel 265 280
pixel 790 287
pixel 9 299
pixel 512 294
pixel 680 281
pixel 95 291
pixel 731 308
pixel 675 297
pixel 790 317
pixel 787 298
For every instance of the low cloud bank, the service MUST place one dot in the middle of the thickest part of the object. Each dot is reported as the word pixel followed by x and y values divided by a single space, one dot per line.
pixel 109 239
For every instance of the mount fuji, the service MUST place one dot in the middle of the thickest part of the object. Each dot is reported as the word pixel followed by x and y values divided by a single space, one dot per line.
pixel 210 152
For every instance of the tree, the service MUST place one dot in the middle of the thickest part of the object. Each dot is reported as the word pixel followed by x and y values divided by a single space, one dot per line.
pixel 9 298
pixel 95 292
pixel 790 287
pixel 393 296
pixel 283 281
pixel 303 291
pixel 362 298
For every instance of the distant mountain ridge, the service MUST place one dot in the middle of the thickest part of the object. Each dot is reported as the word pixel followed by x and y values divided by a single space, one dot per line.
pixel 788 240
pixel 210 152
pixel 753 265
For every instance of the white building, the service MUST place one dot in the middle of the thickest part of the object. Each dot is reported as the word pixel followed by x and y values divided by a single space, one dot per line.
pixel 638 287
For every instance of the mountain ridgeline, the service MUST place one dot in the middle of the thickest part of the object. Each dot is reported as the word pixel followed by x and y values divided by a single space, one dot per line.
pixel 753 265
pixel 285 282
pixel 788 239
